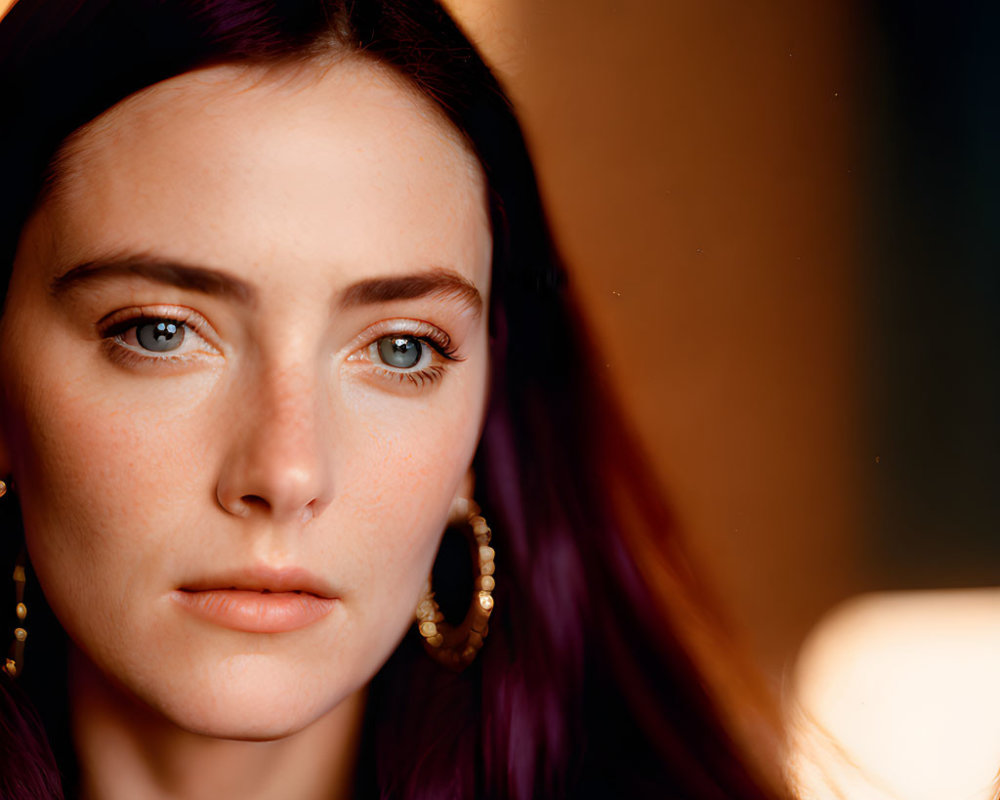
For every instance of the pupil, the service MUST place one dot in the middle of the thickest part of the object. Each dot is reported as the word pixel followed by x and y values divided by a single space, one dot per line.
pixel 160 335
pixel 401 352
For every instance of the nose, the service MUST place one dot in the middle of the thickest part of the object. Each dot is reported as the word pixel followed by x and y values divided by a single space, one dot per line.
pixel 278 462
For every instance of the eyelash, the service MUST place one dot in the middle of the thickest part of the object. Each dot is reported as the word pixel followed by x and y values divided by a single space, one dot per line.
pixel 426 334
pixel 113 326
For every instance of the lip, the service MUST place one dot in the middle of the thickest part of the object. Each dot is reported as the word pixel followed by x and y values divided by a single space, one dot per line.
pixel 259 600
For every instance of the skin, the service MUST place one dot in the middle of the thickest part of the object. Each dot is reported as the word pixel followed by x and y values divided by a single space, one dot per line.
pixel 273 436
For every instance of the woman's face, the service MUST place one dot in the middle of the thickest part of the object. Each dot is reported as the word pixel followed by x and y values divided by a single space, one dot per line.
pixel 244 371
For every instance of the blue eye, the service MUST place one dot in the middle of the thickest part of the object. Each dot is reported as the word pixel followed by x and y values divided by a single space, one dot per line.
pixel 401 352
pixel 160 335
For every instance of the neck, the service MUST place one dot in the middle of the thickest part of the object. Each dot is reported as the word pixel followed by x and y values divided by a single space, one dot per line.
pixel 128 750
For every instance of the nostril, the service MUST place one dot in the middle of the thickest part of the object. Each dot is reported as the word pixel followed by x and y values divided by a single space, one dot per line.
pixel 290 501
pixel 251 501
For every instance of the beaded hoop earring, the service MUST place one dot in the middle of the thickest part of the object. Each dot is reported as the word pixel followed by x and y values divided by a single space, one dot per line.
pixel 15 656
pixel 456 646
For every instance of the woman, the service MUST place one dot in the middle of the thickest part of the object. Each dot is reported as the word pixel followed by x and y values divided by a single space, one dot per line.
pixel 283 304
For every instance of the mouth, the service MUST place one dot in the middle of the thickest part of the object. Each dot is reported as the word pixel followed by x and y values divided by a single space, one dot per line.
pixel 259 600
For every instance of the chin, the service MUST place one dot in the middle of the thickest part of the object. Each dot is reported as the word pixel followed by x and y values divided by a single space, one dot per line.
pixel 253 702
pixel 247 719
pixel 236 727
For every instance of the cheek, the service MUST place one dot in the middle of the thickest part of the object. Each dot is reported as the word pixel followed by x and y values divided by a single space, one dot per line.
pixel 103 488
pixel 409 459
pixel 84 447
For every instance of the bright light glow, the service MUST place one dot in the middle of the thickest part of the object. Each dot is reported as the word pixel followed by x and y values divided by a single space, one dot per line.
pixel 898 696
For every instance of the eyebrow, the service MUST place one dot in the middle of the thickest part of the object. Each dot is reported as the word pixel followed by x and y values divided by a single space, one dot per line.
pixel 369 291
pixel 434 282
pixel 185 276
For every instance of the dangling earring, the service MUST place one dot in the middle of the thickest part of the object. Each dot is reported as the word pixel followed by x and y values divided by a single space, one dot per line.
pixel 15 657
pixel 456 647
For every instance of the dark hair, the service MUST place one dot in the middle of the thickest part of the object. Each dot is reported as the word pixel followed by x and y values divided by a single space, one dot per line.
pixel 587 685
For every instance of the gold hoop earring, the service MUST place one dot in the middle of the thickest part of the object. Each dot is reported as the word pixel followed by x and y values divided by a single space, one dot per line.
pixel 456 647
pixel 15 657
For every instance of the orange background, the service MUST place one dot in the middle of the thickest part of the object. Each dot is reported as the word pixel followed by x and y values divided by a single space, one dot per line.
pixel 697 161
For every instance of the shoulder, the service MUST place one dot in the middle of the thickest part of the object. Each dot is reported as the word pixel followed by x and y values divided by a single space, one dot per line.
pixel 896 695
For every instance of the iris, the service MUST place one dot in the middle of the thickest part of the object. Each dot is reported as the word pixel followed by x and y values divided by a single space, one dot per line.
pixel 401 352
pixel 160 335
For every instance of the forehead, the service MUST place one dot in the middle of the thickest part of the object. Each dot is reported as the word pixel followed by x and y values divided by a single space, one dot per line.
pixel 339 161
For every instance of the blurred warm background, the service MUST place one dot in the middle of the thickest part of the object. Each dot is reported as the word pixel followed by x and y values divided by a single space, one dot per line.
pixel 700 161
pixel 782 219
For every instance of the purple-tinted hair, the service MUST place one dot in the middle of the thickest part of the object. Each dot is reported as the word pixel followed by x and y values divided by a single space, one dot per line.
pixel 586 686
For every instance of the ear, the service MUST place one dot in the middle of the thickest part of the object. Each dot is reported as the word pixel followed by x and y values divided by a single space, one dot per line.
pixel 460 502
